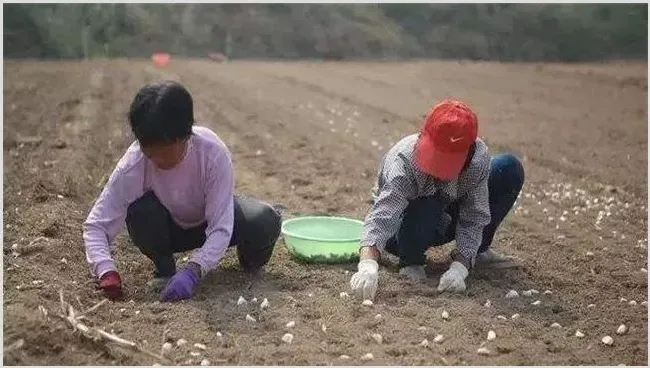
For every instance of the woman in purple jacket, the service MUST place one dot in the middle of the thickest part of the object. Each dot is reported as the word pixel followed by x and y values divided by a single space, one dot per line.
pixel 174 189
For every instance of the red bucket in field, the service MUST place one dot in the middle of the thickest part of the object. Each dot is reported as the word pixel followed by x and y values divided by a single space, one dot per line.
pixel 160 58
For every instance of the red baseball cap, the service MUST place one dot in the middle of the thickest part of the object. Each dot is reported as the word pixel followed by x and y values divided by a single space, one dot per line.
pixel 449 130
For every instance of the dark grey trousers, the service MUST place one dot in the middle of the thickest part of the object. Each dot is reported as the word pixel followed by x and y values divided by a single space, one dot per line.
pixel 157 236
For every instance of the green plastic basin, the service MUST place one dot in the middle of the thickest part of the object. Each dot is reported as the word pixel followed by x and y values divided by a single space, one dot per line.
pixel 323 239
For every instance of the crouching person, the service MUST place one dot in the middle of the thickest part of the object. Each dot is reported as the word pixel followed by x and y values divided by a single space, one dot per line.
pixel 174 190
pixel 435 187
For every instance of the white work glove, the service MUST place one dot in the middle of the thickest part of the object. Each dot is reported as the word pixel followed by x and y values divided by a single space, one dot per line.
pixel 454 279
pixel 364 282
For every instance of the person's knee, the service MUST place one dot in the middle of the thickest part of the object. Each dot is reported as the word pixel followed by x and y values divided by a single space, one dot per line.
pixel 145 207
pixel 267 222
pixel 511 169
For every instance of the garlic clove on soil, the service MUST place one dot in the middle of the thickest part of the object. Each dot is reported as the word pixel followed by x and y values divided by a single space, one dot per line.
pixel 265 304
pixel 250 319
pixel 287 338
pixel 491 336
pixel 291 324
pixel 166 348
pixel 579 334
pixel 445 315
pixel 367 302
pixel 181 342
pixel 483 351
pixel 241 300
pixel 378 338
pixel 622 330
pixel 424 343
pixel 512 294
pixel 205 363
pixel 438 339
pixel 515 316
pixel 368 357
pixel 607 340
pixel 200 346
pixel 195 354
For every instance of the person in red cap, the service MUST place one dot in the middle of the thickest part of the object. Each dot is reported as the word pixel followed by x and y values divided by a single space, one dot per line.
pixel 434 187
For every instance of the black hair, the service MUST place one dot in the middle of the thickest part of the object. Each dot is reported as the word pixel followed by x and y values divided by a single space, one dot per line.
pixel 161 112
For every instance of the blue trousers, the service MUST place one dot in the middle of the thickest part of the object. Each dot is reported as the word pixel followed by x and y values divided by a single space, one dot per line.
pixel 423 223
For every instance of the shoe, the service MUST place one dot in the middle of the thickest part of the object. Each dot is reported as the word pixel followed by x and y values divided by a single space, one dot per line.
pixel 158 283
pixel 492 259
pixel 414 273
pixel 387 259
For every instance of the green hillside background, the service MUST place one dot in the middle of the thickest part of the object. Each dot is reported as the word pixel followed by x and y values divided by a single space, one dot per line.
pixel 505 32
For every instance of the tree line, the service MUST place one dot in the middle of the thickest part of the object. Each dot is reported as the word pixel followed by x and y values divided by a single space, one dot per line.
pixel 504 32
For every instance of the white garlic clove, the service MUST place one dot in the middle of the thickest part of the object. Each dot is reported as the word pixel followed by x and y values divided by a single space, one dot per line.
pixel 195 353
pixel 556 325
pixel 344 357
pixel 503 318
pixel 438 339
pixel 287 338
pixel 632 302
pixel 445 314
pixel 265 304
pixel 181 342
pixel 378 338
pixel 200 346
pixel 607 340
pixel 291 324
pixel 483 351
pixel 241 300
pixel 579 334
pixel 205 363
pixel 527 293
pixel 367 302
pixel 622 330
pixel 424 343
pixel 538 302
pixel 166 347
pixel 512 294
pixel 343 294
pixel 491 336
pixel 378 317
pixel 254 300
pixel 515 316
pixel 488 304
pixel 250 319
pixel 368 357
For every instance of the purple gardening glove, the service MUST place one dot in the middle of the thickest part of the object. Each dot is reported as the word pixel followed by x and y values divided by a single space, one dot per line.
pixel 182 284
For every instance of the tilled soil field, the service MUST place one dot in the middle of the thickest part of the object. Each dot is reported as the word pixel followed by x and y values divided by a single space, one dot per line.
pixel 309 136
